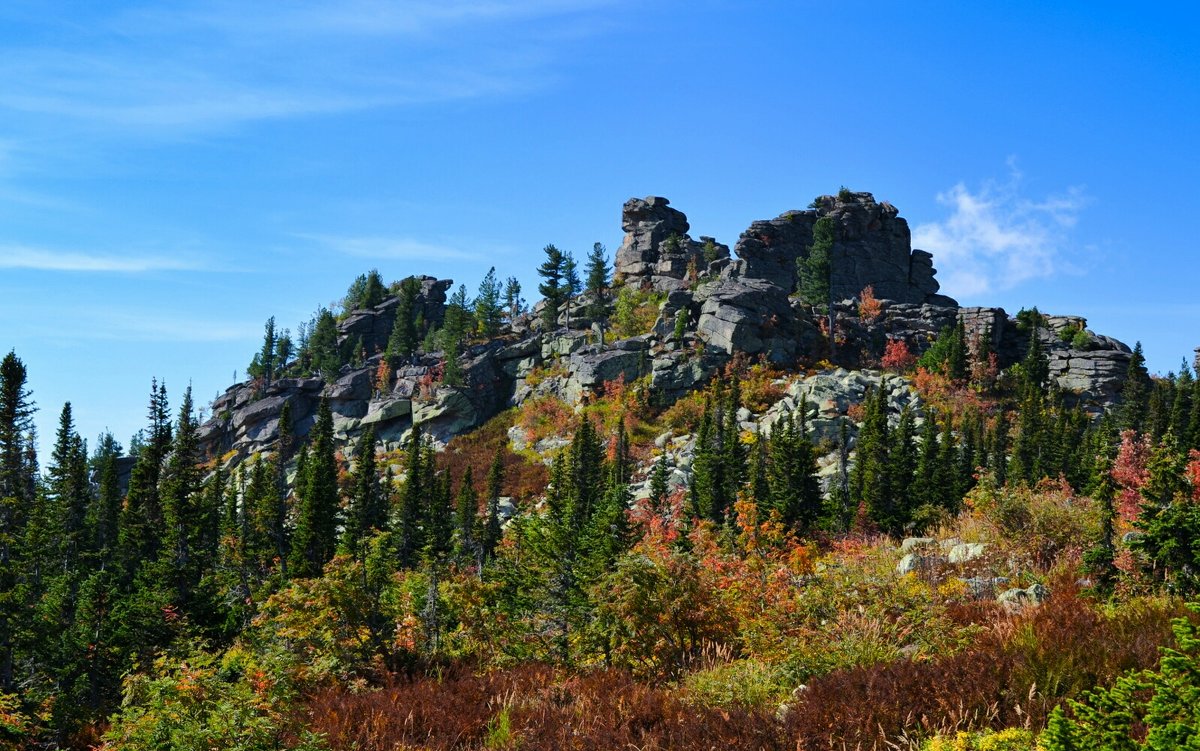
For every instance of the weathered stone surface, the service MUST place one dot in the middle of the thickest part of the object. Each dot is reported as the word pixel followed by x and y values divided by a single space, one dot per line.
pixel 872 247
pixel 354 385
pixel 746 315
pixel 593 369
pixel 657 249
pixel 387 410
pixel 966 552
pixel 449 413
pixel 1017 599
pixel 258 411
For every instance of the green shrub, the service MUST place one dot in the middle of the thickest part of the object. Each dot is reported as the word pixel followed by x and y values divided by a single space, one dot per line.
pixel 740 683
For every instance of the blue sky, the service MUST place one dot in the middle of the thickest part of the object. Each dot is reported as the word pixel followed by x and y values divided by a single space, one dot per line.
pixel 171 174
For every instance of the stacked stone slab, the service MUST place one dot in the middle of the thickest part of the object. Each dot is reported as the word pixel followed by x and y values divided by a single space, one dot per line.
pixel 657 249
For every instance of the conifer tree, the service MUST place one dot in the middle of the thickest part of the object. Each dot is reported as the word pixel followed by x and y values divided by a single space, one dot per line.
pixel 870 483
pixel 184 516
pixel 367 512
pixel 598 272
pixel 409 541
pixel 1135 392
pixel 795 493
pixel 925 492
pixel 106 510
pixel 815 272
pixel 514 304
pixel 16 414
pixel 553 288
pixel 438 523
pixel 658 482
pixel 324 356
pixel 571 285
pixel 315 536
pixel 998 449
pixel 403 340
pixel 488 311
pixel 141 528
pixel 1181 405
pixel 491 532
pixel 946 474
pixel 902 463
pixel 466 510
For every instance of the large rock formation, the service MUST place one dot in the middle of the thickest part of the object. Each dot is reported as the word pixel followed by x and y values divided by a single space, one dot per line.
pixel 873 247
pixel 657 249
pixel 729 308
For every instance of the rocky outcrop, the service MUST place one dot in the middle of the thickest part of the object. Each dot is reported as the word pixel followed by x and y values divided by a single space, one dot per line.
pixel 873 247
pixel 748 315
pixel 374 327
pixel 657 249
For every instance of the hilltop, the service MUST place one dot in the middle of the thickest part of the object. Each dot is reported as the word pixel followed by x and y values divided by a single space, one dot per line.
pixel 746 306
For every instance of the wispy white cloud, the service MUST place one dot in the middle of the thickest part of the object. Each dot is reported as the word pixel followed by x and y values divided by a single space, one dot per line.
pixel 385 248
pixel 996 238
pixel 39 259
pixel 206 66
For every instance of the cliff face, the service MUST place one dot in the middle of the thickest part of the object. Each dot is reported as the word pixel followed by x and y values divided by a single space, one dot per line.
pixel 873 247
pixel 729 306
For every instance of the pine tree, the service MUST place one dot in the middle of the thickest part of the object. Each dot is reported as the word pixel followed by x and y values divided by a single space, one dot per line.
pixel 571 284
pixel 412 502
pixel 815 271
pixel 870 483
pixel 925 492
pixel 367 512
pixel 185 554
pixel 1135 392
pixel 488 311
pixel 1181 405
pixel 104 514
pixel 491 533
pixel 514 304
pixel 141 527
pixel 266 356
pixel 902 462
pixel 324 355
pixel 598 272
pixel 438 523
pixel 795 492
pixel 946 473
pixel 403 340
pixel 315 537
pixel 658 483
pixel 553 289
pixel 466 510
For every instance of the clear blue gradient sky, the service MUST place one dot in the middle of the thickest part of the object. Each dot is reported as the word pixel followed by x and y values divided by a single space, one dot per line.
pixel 171 174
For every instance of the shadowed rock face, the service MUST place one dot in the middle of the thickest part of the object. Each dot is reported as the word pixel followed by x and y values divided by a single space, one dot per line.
pixel 873 247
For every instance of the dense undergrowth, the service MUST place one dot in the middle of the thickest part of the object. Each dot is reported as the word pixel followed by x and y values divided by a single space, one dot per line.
pixel 746 608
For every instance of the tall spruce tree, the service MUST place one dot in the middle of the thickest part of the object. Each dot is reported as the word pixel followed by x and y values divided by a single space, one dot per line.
pixel 491 532
pixel 598 272
pixel 404 337
pixel 815 272
pixel 416 493
pixel 367 512
pixel 314 539
pixel 488 310
pixel 553 289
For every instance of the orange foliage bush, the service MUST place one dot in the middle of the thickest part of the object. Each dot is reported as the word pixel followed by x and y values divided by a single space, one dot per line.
pixel 869 306
pixel 897 356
